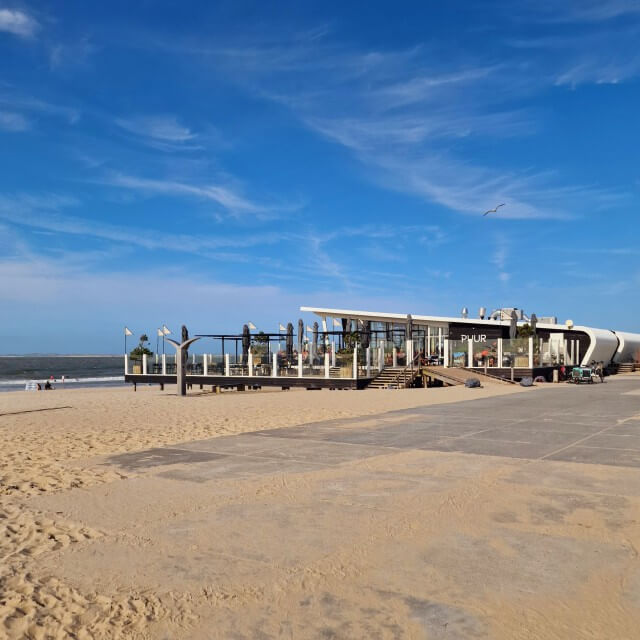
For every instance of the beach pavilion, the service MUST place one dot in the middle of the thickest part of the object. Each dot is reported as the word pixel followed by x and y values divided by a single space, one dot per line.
pixel 353 349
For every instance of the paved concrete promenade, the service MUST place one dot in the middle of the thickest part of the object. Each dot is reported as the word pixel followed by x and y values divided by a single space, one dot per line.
pixel 508 517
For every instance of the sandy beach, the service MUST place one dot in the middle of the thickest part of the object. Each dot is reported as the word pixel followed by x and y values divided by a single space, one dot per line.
pixel 100 540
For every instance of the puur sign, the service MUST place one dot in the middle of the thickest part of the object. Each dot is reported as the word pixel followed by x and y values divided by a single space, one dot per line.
pixel 475 338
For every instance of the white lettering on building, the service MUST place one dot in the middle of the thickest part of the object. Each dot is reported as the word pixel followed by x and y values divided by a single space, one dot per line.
pixel 480 338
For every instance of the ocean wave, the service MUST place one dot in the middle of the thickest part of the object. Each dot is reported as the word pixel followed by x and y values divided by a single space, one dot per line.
pixel 17 383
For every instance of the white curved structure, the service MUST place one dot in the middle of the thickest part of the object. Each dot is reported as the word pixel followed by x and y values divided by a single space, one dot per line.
pixel 628 347
pixel 602 346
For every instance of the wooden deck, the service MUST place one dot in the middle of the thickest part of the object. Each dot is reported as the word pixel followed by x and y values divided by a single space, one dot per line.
pixel 235 382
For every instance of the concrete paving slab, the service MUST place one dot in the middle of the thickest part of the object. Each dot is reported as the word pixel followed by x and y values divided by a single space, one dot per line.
pixel 500 448
pixel 613 440
pixel 531 436
pixel 157 457
pixel 598 455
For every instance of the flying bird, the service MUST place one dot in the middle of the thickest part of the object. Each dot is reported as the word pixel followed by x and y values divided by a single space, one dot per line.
pixel 493 210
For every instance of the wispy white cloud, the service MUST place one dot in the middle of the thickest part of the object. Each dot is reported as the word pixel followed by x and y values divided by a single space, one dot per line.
pixel 222 195
pixel 13 122
pixel 402 113
pixel 24 104
pixel 18 23
pixel 594 11
pixel 70 53
pixel 47 212
pixel 163 132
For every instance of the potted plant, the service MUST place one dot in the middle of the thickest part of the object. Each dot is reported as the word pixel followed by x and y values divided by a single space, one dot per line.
pixel 137 353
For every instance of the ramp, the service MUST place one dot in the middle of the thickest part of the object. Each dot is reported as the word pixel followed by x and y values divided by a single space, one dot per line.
pixel 456 375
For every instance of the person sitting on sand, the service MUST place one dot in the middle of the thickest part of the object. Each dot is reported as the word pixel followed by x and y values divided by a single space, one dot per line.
pixel 47 386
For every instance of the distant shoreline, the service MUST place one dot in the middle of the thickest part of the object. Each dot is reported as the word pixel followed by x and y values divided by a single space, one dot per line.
pixel 63 355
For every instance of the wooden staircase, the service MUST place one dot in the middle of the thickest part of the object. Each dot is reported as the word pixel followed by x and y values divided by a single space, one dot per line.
pixel 393 378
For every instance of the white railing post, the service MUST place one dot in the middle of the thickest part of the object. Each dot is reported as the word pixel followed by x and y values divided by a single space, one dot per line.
pixel 164 364
pixel 500 352
pixel 126 364
pixel 333 354
pixel 445 359
pixel 470 351
pixel 274 369
pixel 327 371
pixel 368 360
pixel 250 362
pixel 428 345
pixel 395 357
pixel 144 364
pixel 299 365
pixel 531 352
pixel 227 368
pixel 355 362
pixel 381 357
pixel 205 364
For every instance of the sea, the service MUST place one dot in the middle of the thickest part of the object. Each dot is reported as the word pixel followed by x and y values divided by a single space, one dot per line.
pixel 77 371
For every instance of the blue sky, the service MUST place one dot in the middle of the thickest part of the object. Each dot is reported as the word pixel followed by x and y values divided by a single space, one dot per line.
pixel 214 163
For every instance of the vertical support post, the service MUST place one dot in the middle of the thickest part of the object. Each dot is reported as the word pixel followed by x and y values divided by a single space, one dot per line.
pixel 205 364
pixel 250 362
pixel 381 356
pixel 368 361
pixel 164 364
pixel 409 350
pixel 299 365
pixel 333 353
pixel 500 352
pixel 530 352
pixel 144 364
pixel 180 373
pixel 578 361
pixel 428 345
pixel 126 364
pixel 441 348
pixel 470 352
pixel 327 371
pixel 565 347
pixel 227 371
pixel 355 362
pixel 274 368
pixel 395 357
pixel 446 351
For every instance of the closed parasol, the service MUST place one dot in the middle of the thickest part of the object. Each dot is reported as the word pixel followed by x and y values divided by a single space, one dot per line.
pixel 289 342
pixel 314 341
pixel 300 335
pixel 513 327
pixel 246 343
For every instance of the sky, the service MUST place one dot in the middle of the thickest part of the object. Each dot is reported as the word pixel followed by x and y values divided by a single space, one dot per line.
pixel 214 163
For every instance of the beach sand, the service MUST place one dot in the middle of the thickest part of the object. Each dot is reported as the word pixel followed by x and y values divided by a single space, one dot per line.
pixel 89 549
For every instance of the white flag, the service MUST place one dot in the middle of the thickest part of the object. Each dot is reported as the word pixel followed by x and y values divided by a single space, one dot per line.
pixel 309 329
pixel 160 333
pixel 127 332
pixel 282 327
pixel 165 330
pixel 337 323
pixel 251 326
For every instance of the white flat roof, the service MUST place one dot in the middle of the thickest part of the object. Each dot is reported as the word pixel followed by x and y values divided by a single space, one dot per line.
pixel 401 317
